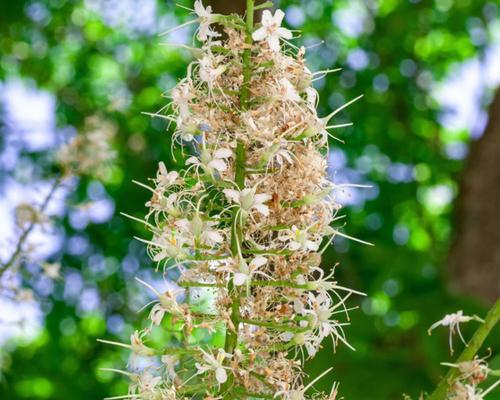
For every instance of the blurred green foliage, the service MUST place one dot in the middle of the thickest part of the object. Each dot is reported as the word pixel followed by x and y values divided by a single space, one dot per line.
pixel 94 66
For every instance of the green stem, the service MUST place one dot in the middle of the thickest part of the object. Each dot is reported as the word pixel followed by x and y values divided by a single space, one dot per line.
pixel 275 325
pixel 247 54
pixel 283 252
pixel 198 284
pixel 231 340
pixel 469 352
pixel 288 284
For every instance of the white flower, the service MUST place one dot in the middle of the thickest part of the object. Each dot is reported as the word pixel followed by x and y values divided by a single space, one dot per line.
pixel 325 284
pixel 166 303
pixel 186 131
pixel 288 91
pixel 201 230
pixel 312 97
pixel 453 320
pixel 278 153
pixel 208 72
pixel 89 153
pixel 298 239
pixel 300 393
pixel 307 339
pixel 244 276
pixel 201 11
pixel 147 385
pixel 159 203
pixel 170 361
pixel 461 391
pixel 206 18
pixel 271 29
pixel 211 161
pixel 475 371
pixel 136 344
pixel 320 311
pixel 138 347
pixel 215 364
pixel 168 245
pixel 52 270
pixel 164 178
pixel 248 200
pixel 181 95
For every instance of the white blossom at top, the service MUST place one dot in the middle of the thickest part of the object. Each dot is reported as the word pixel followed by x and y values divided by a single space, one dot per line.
pixel 271 29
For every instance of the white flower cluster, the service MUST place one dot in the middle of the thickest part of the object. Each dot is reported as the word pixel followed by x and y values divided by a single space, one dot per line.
pixel 466 386
pixel 246 220
pixel 90 152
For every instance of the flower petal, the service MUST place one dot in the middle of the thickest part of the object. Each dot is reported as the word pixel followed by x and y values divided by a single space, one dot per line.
pixel 221 375
pixel 278 17
pixel 232 195
pixel 213 237
pixel 267 18
pixel 259 34
pixel 192 160
pixel 218 164
pixel 262 198
pixel 223 153
pixel 274 42
pixel 264 210
pixel 284 33
pixel 258 262
pixel 240 278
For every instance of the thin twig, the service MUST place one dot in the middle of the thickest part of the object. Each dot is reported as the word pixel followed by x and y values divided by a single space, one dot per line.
pixel 26 232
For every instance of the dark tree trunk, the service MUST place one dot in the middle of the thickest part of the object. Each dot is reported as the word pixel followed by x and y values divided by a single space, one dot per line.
pixel 233 7
pixel 475 255
pixel 229 7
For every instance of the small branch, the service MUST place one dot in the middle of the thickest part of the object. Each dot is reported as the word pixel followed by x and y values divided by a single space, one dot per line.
pixel 26 232
pixel 469 352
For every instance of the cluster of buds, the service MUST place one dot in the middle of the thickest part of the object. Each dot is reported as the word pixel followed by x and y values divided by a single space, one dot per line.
pixel 89 153
pixel 243 222
pixel 471 375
